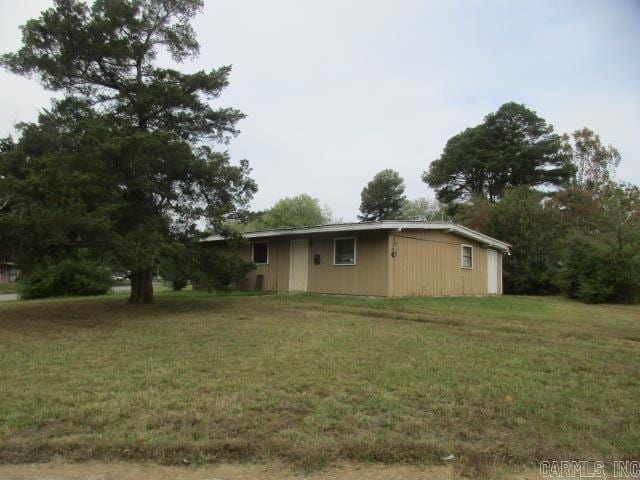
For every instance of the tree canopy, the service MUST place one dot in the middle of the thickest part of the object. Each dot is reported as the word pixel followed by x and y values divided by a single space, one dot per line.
pixel 383 197
pixel 422 208
pixel 572 227
pixel 522 219
pixel 594 163
pixel 583 243
pixel 105 54
pixel 513 147
pixel 125 164
pixel 297 211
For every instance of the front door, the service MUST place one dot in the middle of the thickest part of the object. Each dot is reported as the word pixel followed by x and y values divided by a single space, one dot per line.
pixel 492 271
pixel 299 265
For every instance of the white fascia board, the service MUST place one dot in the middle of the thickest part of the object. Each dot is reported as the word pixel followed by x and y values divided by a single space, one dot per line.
pixel 386 225
pixel 337 228
pixel 481 238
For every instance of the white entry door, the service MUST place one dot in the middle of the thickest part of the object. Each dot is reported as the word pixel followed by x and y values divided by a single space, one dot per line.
pixel 492 271
pixel 299 265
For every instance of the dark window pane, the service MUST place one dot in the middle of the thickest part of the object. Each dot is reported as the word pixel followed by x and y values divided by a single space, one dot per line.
pixel 345 251
pixel 260 252
pixel 467 258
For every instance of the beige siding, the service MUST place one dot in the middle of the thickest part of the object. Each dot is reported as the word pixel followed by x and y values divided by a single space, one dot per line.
pixel 428 262
pixel 276 272
pixel 4 273
pixel 367 277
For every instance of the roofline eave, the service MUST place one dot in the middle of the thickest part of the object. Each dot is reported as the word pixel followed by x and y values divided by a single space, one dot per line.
pixel 371 226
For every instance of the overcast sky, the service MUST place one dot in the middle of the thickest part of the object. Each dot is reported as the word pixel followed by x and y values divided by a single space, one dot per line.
pixel 337 90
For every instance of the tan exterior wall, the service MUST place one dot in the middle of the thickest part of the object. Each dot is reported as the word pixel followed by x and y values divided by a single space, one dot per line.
pixel 4 274
pixel 428 262
pixel 276 272
pixel 367 277
pixel 6 271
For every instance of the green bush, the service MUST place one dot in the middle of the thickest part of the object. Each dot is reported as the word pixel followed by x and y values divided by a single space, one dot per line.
pixel 71 276
pixel 207 268
pixel 216 270
pixel 175 270
pixel 597 272
pixel 524 220
pixel 178 284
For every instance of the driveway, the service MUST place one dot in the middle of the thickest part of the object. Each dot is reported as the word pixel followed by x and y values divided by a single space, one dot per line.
pixel 121 288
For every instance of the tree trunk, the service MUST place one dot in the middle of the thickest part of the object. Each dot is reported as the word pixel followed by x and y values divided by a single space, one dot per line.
pixel 141 287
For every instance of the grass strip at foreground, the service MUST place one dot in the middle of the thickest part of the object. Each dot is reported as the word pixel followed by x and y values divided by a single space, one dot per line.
pixel 312 379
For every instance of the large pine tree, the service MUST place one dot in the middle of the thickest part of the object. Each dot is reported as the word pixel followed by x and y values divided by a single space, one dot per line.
pixel 383 197
pixel 125 163
pixel 513 147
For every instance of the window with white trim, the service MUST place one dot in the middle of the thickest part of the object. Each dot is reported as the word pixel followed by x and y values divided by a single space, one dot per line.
pixel 260 253
pixel 467 256
pixel 344 251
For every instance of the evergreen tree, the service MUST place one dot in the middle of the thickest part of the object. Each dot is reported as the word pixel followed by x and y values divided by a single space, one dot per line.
pixel 383 198
pixel 513 147
pixel 145 133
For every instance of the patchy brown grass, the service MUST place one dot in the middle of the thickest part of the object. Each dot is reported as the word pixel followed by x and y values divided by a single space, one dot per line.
pixel 271 471
pixel 313 380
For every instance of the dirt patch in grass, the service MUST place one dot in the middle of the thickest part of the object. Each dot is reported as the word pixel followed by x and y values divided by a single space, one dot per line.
pixel 132 471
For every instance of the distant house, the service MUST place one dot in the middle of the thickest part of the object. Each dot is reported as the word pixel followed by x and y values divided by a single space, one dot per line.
pixel 8 272
pixel 387 258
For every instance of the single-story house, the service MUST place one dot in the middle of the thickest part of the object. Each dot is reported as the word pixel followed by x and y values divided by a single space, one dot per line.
pixel 387 258
pixel 8 272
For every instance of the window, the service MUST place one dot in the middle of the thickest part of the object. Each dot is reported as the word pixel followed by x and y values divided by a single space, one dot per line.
pixel 260 253
pixel 467 256
pixel 344 251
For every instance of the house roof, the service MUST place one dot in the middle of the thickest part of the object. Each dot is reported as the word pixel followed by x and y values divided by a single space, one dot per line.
pixel 380 225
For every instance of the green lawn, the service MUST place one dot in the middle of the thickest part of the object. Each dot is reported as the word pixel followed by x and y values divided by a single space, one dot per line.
pixel 314 379
pixel 7 288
